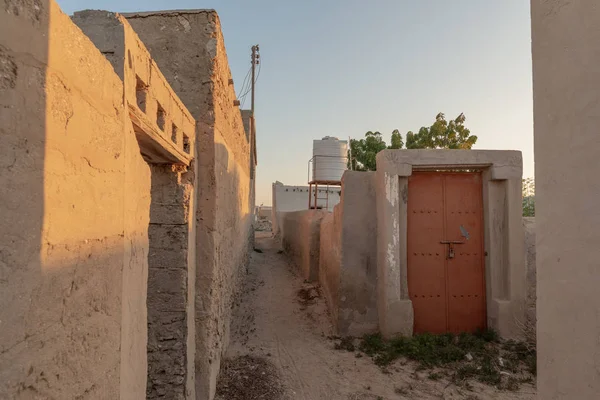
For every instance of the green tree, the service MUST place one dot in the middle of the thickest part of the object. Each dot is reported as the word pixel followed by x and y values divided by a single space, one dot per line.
pixel 442 135
pixel 365 150
pixel 397 142
pixel 528 188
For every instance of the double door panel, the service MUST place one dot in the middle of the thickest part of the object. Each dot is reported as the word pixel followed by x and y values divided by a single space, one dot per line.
pixel 446 264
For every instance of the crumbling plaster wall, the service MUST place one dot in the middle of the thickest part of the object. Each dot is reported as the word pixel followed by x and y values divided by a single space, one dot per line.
pixel 74 209
pixel 348 274
pixel 358 271
pixel 171 261
pixel 164 126
pixel 189 49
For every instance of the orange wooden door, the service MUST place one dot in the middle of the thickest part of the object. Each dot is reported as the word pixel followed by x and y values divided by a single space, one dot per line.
pixel 447 290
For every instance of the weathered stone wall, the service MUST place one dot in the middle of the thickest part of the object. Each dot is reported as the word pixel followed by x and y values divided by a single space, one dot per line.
pixel 164 127
pixel 189 49
pixel 330 260
pixel 301 231
pixel 171 297
pixel 74 211
pixel 168 263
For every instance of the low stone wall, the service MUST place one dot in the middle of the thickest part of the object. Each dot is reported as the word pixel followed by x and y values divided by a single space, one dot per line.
pixel 300 238
pixel 348 265
pixel 277 223
pixel 330 261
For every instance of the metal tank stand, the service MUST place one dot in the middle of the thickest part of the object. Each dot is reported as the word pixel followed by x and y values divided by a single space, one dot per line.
pixel 313 193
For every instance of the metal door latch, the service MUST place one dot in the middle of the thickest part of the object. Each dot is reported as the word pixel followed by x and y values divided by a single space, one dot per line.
pixel 451 244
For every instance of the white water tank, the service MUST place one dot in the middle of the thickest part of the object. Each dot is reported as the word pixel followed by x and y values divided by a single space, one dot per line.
pixel 330 159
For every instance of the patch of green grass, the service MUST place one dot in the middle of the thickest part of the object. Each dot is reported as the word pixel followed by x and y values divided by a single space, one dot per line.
pixel 427 349
pixel 488 372
pixel 481 356
pixel 345 343
pixel 488 335
pixel 373 344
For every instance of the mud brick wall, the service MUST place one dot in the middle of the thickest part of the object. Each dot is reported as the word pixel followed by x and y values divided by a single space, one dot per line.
pixel 171 333
pixel 300 239
pixel 189 48
pixel 74 210
pixel 168 261
pixel 349 274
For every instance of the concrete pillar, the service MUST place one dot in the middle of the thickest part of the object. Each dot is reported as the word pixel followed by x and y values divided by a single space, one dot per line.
pixel 566 90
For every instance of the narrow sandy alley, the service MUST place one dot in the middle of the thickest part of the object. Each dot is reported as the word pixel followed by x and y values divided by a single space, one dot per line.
pixel 284 320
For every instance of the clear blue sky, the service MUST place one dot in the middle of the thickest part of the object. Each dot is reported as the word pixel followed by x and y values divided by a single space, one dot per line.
pixel 344 67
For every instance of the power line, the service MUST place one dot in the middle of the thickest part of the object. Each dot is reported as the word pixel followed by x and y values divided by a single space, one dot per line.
pixel 249 84
pixel 255 80
pixel 244 82
pixel 255 61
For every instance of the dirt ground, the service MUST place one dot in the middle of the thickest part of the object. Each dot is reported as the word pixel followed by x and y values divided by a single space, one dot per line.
pixel 281 349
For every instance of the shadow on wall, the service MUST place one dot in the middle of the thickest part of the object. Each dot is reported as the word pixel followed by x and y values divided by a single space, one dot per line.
pixel 224 240
pixel 189 48
pixel 22 151
pixel 71 236
pixel 169 294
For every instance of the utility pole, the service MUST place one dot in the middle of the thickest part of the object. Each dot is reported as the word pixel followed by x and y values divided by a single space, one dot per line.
pixel 255 62
pixel 252 136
